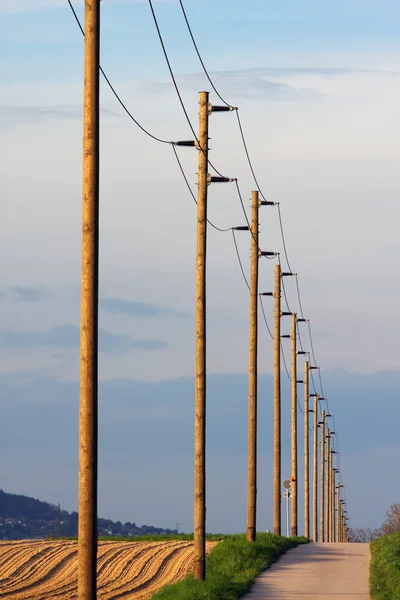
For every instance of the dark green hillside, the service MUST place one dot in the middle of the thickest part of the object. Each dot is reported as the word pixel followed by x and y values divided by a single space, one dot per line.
pixel 22 517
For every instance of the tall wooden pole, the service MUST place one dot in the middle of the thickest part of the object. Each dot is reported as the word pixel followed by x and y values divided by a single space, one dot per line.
pixel 332 500
pixel 88 414
pixel 306 453
pixel 315 472
pixel 341 524
pixel 327 485
pixel 338 505
pixel 252 418
pixel 277 401
pixel 200 416
pixel 294 426
pixel 322 481
pixel 332 525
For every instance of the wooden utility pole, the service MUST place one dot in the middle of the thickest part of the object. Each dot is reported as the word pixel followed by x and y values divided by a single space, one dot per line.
pixel 252 418
pixel 277 401
pixel 327 485
pixel 294 425
pixel 322 481
pixel 200 416
pixel 88 413
pixel 315 471
pixel 306 453
pixel 338 505
pixel 333 492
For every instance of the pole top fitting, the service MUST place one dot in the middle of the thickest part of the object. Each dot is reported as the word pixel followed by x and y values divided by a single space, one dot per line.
pixel 266 253
pixel 287 274
pixel 266 294
pixel 242 228
pixel 267 203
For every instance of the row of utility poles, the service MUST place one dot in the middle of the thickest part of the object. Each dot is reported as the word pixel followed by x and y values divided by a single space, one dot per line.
pixel 332 516
pixel 88 421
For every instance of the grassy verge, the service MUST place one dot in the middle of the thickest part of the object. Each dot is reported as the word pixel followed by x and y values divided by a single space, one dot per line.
pixel 231 568
pixel 385 567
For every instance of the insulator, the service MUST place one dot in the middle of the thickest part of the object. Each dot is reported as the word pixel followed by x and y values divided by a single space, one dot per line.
pixel 221 108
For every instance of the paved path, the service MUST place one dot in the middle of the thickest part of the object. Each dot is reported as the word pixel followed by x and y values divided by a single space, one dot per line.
pixel 316 572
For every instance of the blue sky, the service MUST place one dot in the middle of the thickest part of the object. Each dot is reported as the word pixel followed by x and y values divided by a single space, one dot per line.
pixel 317 85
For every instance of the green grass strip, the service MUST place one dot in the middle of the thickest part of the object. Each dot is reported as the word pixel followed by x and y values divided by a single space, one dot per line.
pixel 231 568
pixel 385 567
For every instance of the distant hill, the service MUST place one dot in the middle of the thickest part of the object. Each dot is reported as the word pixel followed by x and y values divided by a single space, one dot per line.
pixel 22 517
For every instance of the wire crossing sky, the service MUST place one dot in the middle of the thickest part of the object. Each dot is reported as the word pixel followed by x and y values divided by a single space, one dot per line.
pixel 316 89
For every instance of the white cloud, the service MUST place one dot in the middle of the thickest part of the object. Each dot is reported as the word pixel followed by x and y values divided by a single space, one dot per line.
pixel 330 163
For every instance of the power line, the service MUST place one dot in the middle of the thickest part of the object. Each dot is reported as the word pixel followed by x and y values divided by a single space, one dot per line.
pixel 252 172
pixel 160 37
pixel 284 362
pixel 191 191
pixel 239 259
pixel 265 319
pixel 199 55
pixel 245 145
pixel 123 105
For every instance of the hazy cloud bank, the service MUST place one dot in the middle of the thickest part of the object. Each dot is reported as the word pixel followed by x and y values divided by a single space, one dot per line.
pixel 67 336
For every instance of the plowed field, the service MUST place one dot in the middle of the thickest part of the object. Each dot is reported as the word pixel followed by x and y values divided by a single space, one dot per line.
pixel 43 570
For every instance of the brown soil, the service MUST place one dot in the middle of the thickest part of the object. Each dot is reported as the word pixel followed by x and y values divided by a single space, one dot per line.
pixel 39 570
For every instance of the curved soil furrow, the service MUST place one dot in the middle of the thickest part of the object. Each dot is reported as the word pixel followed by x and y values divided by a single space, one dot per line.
pixel 29 561
pixel 7 556
pixel 46 572
pixel 134 567
pixel 118 556
pixel 41 561
pixel 165 572
pixel 139 571
pixel 43 570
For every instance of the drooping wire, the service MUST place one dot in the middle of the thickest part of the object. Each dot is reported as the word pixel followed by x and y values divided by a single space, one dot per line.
pixel 239 259
pixel 123 105
pixel 284 362
pixel 242 203
pixel 221 98
pixel 245 146
pixel 199 55
pixel 248 155
pixel 191 191
pixel 265 318
pixel 283 237
pixel 160 37
pixel 299 297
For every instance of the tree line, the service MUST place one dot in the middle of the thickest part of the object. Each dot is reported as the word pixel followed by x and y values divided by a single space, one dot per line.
pixel 390 525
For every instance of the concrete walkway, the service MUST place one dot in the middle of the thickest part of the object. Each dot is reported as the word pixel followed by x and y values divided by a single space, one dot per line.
pixel 317 572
